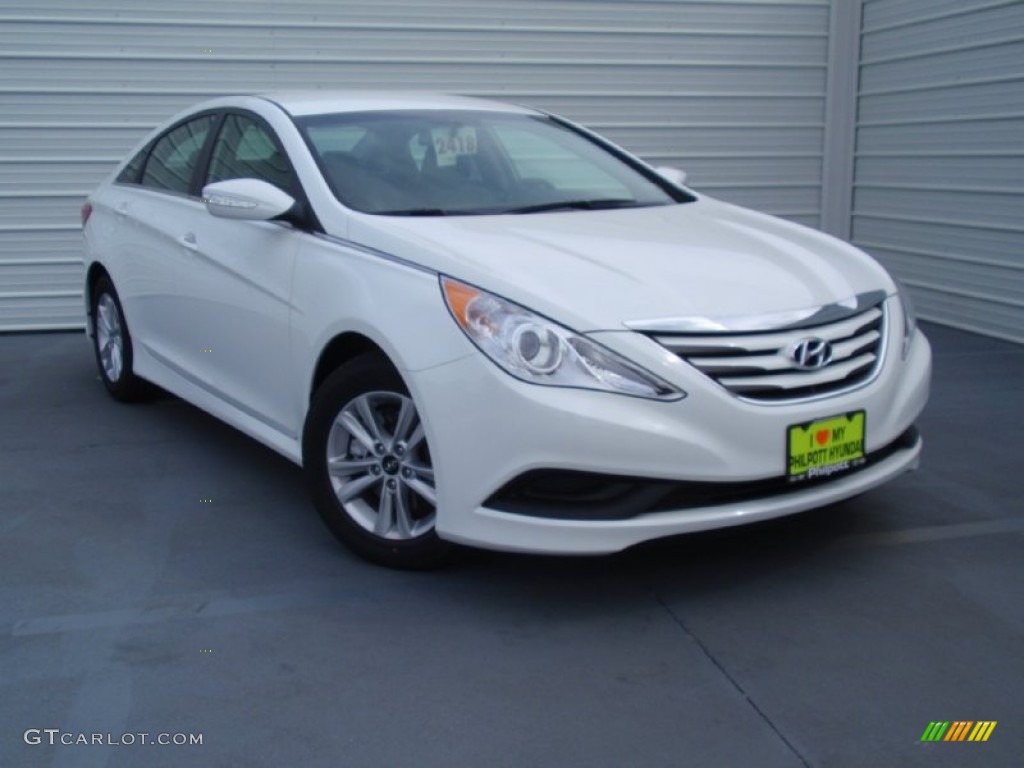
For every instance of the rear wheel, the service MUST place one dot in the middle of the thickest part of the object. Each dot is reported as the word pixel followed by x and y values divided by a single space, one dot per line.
pixel 369 468
pixel 112 344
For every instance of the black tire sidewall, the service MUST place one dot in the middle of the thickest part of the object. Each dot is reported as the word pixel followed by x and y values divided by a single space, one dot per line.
pixel 366 373
pixel 126 387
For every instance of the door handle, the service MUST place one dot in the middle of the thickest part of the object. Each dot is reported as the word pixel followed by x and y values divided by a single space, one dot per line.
pixel 189 240
pixel 122 209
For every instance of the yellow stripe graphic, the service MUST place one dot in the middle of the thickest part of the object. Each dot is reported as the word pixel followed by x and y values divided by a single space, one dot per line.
pixel 983 730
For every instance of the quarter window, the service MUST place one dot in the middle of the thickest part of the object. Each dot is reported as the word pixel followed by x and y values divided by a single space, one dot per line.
pixel 246 150
pixel 130 173
pixel 175 154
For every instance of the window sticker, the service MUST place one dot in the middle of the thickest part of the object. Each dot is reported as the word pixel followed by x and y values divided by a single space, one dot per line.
pixel 452 143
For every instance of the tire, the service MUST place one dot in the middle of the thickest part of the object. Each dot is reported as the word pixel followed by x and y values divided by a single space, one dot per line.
pixel 112 344
pixel 368 467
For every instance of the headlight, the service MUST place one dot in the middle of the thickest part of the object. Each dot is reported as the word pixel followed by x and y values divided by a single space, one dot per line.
pixel 538 351
pixel 909 316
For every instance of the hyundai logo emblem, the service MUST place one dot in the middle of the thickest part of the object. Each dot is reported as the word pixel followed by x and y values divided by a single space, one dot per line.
pixel 811 354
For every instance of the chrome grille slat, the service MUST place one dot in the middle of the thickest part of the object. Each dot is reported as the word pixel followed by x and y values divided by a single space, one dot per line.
pixel 716 365
pixel 779 361
pixel 760 365
pixel 853 346
pixel 827 375
pixel 684 346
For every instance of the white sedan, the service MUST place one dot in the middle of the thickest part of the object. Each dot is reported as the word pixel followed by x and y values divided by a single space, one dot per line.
pixel 475 323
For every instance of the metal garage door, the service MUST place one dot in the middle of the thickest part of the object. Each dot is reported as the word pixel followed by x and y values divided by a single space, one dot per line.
pixel 731 91
pixel 939 170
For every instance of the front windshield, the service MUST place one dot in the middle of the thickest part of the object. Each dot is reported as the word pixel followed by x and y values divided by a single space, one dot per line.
pixel 447 163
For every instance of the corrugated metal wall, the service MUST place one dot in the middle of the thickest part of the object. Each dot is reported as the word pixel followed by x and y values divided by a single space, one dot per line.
pixel 731 91
pixel 939 166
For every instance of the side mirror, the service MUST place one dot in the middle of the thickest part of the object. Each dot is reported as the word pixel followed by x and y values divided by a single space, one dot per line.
pixel 251 199
pixel 674 175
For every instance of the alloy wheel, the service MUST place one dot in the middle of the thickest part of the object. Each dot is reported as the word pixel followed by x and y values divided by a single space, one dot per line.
pixel 109 337
pixel 379 466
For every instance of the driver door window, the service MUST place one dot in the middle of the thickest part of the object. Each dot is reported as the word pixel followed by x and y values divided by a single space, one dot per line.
pixel 246 150
pixel 174 156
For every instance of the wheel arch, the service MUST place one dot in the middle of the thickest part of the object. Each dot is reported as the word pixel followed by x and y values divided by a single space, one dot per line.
pixel 93 274
pixel 339 350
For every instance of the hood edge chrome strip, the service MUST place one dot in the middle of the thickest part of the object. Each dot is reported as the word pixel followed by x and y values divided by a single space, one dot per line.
pixel 796 319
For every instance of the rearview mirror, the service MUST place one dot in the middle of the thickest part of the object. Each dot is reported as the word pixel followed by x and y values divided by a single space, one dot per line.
pixel 251 199
pixel 674 175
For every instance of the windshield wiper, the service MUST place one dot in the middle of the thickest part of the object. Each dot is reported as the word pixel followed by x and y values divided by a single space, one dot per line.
pixel 414 212
pixel 440 212
pixel 596 204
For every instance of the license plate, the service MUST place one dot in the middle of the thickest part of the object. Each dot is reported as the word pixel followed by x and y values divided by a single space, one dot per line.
pixel 822 448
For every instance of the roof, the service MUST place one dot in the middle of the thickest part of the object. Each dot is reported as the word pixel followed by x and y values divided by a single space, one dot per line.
pixel 316 102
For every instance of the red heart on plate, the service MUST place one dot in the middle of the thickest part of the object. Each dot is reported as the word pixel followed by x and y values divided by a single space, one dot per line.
pixel 822 436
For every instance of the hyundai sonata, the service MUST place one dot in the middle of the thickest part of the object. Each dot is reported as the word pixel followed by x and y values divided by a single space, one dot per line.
pixel 475 323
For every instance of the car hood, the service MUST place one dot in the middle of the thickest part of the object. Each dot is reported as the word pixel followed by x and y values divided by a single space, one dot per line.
pixel 596 270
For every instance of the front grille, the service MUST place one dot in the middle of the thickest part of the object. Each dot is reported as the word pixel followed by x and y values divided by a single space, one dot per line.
pixel 761 366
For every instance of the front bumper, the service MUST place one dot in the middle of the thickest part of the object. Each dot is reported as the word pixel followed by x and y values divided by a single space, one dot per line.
pixel 486 429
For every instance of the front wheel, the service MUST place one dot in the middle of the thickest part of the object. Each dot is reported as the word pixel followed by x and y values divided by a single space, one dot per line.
pixel 369 469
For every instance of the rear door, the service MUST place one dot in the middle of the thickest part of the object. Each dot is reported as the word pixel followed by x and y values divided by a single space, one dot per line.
pixel 148 202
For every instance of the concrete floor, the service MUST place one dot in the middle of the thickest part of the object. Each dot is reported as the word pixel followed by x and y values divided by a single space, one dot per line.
pixel 128 605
